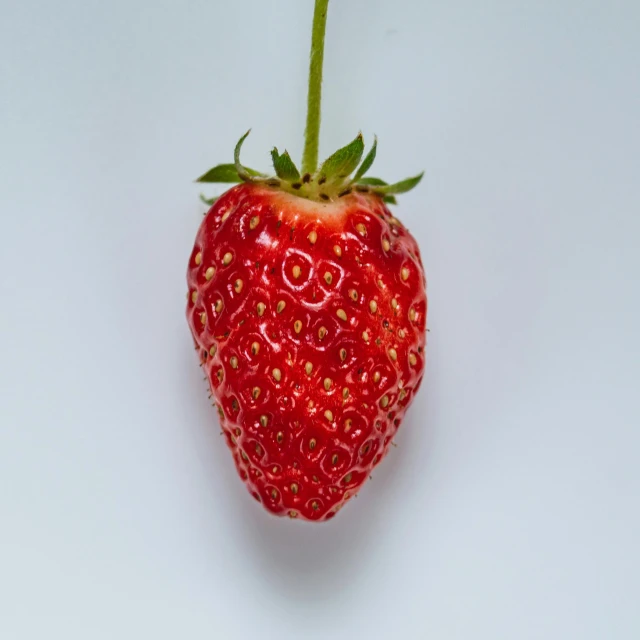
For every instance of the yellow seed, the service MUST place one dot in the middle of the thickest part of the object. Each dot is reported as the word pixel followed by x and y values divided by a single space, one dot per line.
pixel 293 514
pixel 297 326
pixel 334 459
pixel 347 479
pixel 233 362
pixel 255 348
pixel 345 392
pixel 376 376
pixel 218 306
pixel 322 332
pixel 393 354
pixel 279 438
pixel 337 250
pixel 277 374
pixel 260 308
pixel 394 304
pixel 308 367
pixel 198 258
pixel 362 230
pixel 264 420
pixel 209 273
pixel 227 258
pixel 194 297
pixel 373 306
pixel 296 271
pixel 238 286
pixel 225 215
pixel 341 314
pixel 412 315
pixel 327 383
pixel 343 354
pixel 402 395
pixel 255 392
pixel 412 359
pixel 401 333
pixel 294 488
pixel 312 444
pixel 404 273
pixel 380 284
pixel 312 237
pixel 310 404
pixel 328 415
pixel 212 351
pixel 314 505
pixel 328 278
pixel 253 223
pixel 203 317
pixel 365 336
pixel 353 294
pixel 385 245
pixel 281 305
pixel 384 402
pixel 274 494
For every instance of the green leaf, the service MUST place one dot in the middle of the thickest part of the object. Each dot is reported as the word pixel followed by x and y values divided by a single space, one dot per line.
pixel 375 182
pixel 284 166
pixel 226 173
pixel 367 162
pixel 221 173
pixel 208 201
pixel 243 172
pixel 399 187
pixel 343 162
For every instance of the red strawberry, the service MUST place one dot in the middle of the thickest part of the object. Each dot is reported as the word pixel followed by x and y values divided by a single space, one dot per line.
pixel 307 305
pixel 310 323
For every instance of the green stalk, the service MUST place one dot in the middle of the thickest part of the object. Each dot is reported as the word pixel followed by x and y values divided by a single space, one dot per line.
pixel 312 130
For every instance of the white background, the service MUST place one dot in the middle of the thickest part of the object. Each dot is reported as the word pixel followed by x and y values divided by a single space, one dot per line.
pixel 510 508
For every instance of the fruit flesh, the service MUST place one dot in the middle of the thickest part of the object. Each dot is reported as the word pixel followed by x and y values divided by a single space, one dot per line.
pixel 310 321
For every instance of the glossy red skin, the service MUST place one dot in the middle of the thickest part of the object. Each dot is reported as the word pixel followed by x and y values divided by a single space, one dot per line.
pixel 299 446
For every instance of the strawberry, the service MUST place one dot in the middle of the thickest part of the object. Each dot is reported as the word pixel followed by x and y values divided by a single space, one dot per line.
pixel 307 306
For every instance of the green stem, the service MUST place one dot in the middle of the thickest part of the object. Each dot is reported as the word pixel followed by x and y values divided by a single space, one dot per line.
pixel 312 130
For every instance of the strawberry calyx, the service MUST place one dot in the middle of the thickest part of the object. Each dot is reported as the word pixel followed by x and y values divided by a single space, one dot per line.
pixel 339 175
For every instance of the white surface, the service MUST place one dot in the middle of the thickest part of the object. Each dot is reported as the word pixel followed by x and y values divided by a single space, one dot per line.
pixel 510 507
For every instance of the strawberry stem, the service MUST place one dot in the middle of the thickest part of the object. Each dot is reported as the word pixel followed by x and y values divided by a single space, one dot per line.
pixel 312 130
